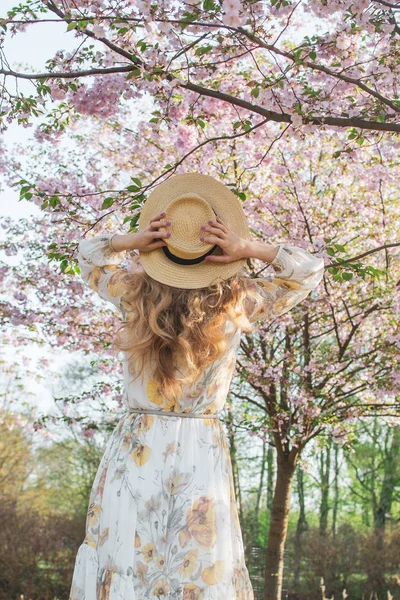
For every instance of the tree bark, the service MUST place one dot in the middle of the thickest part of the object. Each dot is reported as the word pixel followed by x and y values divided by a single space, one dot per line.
pixel 335 507
pixel 260 486
pixel 302 527
pixel 278 528
pixel 235 470
pixel 325 467
pixel 270 476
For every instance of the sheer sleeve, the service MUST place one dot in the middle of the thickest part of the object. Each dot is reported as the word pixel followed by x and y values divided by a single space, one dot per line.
pixel 102 268
pixel 296 273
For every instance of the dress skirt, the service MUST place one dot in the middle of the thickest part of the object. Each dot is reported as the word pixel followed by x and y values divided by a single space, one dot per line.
pixel 162 520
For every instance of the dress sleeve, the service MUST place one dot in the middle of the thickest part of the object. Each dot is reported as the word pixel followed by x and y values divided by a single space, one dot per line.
pixel 101 268
pixel 296 273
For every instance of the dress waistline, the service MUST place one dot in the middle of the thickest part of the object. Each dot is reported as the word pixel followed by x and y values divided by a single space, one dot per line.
pixel 163 413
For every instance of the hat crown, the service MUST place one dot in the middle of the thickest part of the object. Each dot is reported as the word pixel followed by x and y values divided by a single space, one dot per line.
pixel 187 213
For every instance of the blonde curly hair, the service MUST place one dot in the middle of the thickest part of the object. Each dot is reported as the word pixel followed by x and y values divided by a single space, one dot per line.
pixel 180 329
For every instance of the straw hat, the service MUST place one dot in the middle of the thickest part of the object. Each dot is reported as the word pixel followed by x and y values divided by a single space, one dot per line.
pixel 189 201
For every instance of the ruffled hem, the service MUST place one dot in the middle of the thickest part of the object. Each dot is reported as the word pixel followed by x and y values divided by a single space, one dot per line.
pixel 90 584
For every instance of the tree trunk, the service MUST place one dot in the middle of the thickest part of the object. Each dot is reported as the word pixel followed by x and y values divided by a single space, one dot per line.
pixel 260 486
pixel 270 477
pixel 235 470
pixel 390 480
pixel 335 507
pixel 325 467
pixel 278 529
pixel 301 528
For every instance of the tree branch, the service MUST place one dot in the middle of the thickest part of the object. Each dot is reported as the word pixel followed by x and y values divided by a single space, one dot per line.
pixel 202 91
pixel 68 74
pixel 359 256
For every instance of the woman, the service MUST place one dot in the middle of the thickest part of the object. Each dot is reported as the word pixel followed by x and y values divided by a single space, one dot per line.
pixel 162 520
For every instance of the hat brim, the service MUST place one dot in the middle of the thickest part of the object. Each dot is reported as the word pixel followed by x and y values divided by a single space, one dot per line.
pixel 225 204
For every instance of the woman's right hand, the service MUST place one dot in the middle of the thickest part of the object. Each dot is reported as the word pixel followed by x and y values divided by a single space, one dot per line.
pixel 233 246
pixel 147 239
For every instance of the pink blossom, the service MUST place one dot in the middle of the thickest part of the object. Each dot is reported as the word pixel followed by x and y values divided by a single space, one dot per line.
pixel 20 296
pixel 343 42
pixel 99 30
pixel 88 433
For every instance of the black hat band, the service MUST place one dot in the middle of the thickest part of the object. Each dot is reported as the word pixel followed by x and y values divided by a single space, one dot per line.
pixel 187 261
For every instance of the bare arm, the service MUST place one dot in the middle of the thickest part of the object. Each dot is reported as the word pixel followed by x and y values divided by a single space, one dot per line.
pixel 121 242
pixel 264 252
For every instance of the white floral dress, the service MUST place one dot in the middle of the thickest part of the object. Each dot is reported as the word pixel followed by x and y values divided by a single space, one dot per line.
pixel 162 520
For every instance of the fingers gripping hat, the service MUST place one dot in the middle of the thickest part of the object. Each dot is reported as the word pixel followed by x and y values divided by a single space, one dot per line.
pixel 189 201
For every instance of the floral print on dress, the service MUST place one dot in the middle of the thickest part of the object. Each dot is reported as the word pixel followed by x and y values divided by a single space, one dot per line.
pixel 162 520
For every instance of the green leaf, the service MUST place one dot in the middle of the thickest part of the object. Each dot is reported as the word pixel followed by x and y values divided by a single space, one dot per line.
pixel 313 55
pixel 339 248
pixel 72 25
pixel 203 50
pixel 255 92
pixel 297 56
pixel 201 123
pixel 107 202
pixel 330 251
pixel 137 181
pixel 347 275
pixel 134 73
pixel 63 265
pixel 54 201
pixel 381 117
pixel 134 221
pixel 186 19
pixel 247 125
pixel 133 188
pixel 209 5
